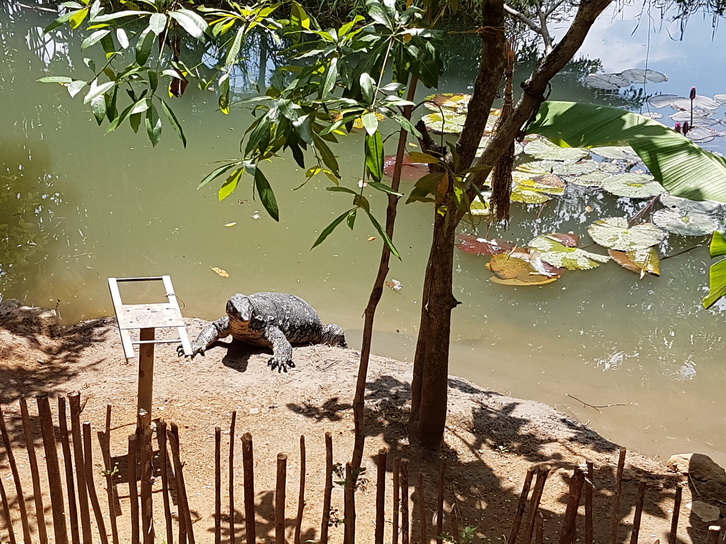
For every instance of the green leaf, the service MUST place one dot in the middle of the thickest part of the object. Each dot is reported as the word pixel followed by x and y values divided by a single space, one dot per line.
pixel 174 122
pixel 718 244
pixel 97 90
pixel 367 87
pixel 230 184
pixel 327 155
pixel 78 17
pixel 143 46
pixel 224 94
pixel 717 283
pixel 331 76
pixel 339 189
pixel 153 125
pixel 122 37
pixel 266 195
pixel 681 166
pixel 64 80
pixel 192 22
pixel 374 155
pixel 153 80
pixel 157 23
pixel 386 239
pixel 330 228
pixel 370 122
pixel 384 188
pixel 76 87
pixel 120 15
pixel 217 172
pixel 94 38
pixel 235 47
pixel 135 121
pixel 98 107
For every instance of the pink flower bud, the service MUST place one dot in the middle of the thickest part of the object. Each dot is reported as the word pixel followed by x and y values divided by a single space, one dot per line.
pixel 693 93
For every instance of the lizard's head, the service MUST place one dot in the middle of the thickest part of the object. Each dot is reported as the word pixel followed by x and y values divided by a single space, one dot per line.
pixel 239 308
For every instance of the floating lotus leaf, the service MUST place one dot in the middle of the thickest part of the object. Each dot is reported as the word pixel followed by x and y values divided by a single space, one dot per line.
pixel 449 123
pixel 686 205
pixel 616 152
pixel 606 82
pixel 720 98
pixel 614 233
pixel 535 190
pixel 542 149
pixel 528 196
pixel 557 254
pixel 663 100
pixel 595 179
pixel 700 118
pixel 457 102
pixel 652 115
pixel 482 246
pixel 633 186
pixel 640 261
pixel 510 269
pixel 702 134
pixel 687 224
pixel 701 102
pixel 639 76
pixel 410 171
pixel 578 168
pixel 480 208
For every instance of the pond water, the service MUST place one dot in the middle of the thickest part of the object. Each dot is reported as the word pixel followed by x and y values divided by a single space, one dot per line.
pixel 85 206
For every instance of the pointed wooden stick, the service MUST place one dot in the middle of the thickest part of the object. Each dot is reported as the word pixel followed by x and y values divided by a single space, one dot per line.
pixel 16 478
pixel 714 532
pixel 147 475
pixel 6 513
pixel 74 400
pixel 539 529
pixel 569 523
pixel 110 485
pixel 380 496
pixel 301 494
pixel 35 474
pixel 90 483
pixel 638 513
pixel 423 510
pixel 249 487
pixel 542 474
pixel 327 494
pixel 54 479
pixel 68 465
pixel 280 489
pixel 404 503
pixel 514 531
pixel 164 460
pixel 589 487
pixel 672 538
pixel 396 498
pixel 181 487
pixel 131 459
pixel 615 521
pixel 349 505
pixel 440 499
pixel 232 532
pixel 217 485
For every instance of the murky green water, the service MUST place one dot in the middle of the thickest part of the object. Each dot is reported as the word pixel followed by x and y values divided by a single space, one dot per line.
pixel 84 206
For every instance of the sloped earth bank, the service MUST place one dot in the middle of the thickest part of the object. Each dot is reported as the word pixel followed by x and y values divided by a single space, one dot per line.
pixel 490 442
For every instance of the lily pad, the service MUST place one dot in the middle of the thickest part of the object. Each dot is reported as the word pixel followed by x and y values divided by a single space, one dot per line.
pixel 639 76
pixel 536 190
pixel 410 171
pixel 558 254
pixel 543 149
pixel 633 186
pixel 701 102
pixel 449 123
pixel 687 224
pixel 616 152
pixel 640 261
pixel 457 102
pixel 481 246
pixel 662 100
pixel 480 208
pixel 685 205
pixel 614 233
pixel 702 134
pixel 510 269
pixel 606 82
pixel 595 179
pixel 560 168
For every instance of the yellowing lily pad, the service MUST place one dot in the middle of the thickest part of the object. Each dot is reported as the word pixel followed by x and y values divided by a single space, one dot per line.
pixel 544 149
pixel 640 261
pixel 511 270
pixel 633 186
pixel 557 254
pixel 685 223
pixel 448 123
pixel 457 102
pixel 614 233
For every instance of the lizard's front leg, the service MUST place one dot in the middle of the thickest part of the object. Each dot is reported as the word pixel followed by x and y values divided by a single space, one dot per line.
pixel 281 349
pixel 209 335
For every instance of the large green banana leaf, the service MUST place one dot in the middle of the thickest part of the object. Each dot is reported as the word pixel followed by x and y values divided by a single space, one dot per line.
pixel 681 166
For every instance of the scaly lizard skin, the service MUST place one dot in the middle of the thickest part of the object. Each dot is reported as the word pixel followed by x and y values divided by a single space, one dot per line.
pixel 275 320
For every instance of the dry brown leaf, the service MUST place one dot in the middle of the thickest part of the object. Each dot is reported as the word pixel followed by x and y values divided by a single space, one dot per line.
pixel 511 270
pixel 219 271
pixel 641 262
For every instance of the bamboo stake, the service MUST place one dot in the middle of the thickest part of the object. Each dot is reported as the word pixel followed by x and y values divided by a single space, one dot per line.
pixel 423 510
pixel 110 486
pixel 440 499
pixel 280 498
pixel 217 485
pixel 164 460
pixel 539 529
pixel 349 505
pixel 589 487
pixel 249 487
pixel 6 513
pixel 16 477
pixel 396 498
pixel 676 514
pixel 569 524
pixel 615 522
pixel 68 465
pixel 90 484
pixel 301 495
pixel 404 502
pixel 35 474
pixel 714 532
pixel 514 531
pixel 147 474
pixel 455 518
pixel 542 474
pixel 74 400
pixel 638 513
pixel 181 487
pixel 327 494
pixel 232 535
pixel 380 496
pixel 54 479
pixel 131 459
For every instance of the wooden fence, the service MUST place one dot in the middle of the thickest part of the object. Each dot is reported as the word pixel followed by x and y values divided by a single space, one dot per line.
pixel 74 501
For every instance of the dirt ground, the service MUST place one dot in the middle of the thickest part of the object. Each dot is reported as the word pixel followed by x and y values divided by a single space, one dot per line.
pixel 491 440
